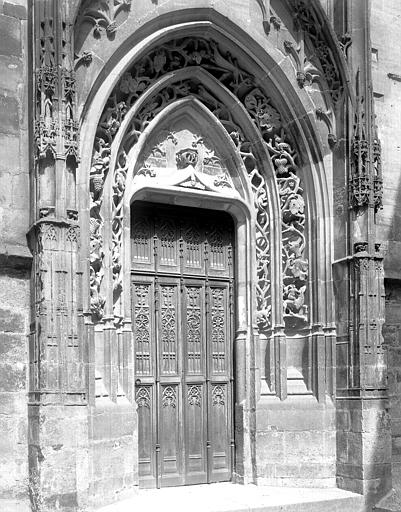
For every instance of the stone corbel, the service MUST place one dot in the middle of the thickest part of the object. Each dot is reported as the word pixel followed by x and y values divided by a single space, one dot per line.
pixel 311 31
pixel 327 118
pixel 103 15
pixel 345 42
pixel 268 17
pixel 306 73
pixel 85 58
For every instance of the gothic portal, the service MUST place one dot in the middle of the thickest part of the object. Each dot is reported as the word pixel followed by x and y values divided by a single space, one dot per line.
pixel 194 278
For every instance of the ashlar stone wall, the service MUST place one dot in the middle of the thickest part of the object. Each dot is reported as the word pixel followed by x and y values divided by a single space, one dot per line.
pixel 14 253
pixel 386 74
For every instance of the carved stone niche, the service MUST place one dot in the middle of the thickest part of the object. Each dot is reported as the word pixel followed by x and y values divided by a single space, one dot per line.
pixel 183 152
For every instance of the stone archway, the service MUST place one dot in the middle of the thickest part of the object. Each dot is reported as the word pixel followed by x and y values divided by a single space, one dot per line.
pixel 200 78
pixel 186 158
pixel 265 94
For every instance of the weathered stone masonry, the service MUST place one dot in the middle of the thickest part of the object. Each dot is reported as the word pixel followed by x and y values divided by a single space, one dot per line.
pixel 265 111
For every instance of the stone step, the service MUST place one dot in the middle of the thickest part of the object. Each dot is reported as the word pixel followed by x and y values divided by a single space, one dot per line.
pixel 390 503
pixel 227 497
pixel 15 505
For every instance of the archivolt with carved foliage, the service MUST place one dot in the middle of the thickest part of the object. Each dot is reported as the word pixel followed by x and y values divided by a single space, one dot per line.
pixel 193 52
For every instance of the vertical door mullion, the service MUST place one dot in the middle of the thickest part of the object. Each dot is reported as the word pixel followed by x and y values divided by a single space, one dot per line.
pixel 231 372
pixel 157 358
pixel 181 354
pixel 157 383
pixel 208 360
pixel 208 386
pixel 184 359
pixel 181 392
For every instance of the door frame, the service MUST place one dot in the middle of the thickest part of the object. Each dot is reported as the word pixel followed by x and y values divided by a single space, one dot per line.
pixel 208 279
pixel 245 352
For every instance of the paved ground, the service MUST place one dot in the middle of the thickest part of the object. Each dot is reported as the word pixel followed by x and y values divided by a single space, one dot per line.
pixel 238 498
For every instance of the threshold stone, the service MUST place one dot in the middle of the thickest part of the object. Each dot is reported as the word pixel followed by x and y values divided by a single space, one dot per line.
pixel 227 497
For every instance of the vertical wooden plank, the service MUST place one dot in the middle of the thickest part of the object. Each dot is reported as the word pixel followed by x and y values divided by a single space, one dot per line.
pixel 220 415
pixel 170 435
pixel 143 313
pixel 145 401
pixel 219 418
pixel 194 402
pixel 170 423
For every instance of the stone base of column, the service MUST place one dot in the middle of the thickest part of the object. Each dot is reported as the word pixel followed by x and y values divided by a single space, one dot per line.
pixel 364 447
pixel 58 457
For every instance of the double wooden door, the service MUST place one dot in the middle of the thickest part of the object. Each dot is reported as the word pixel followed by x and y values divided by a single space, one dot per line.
pixel 182 309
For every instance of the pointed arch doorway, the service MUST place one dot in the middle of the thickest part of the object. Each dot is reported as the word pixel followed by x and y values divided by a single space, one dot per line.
pixel 182 309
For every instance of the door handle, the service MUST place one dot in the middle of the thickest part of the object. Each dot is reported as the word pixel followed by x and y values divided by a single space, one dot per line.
pixel 138 382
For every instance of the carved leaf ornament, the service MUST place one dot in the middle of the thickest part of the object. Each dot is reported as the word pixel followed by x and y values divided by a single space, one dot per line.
pixel 175 55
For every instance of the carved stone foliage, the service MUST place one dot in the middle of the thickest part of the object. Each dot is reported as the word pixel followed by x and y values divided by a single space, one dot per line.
pixel 185 159
pixel 103 15
pixel 295 264
pixel 320 61
pixel 269 18
pixel 175 55
pixel 100 164
pixel 56 131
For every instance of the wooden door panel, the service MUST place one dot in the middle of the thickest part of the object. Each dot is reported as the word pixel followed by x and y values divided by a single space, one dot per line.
pixel 168 293
pixel 194 335
pixel 142 250
pixel 170 436
pixel 143 318
pixel 219 261
pixel 168 236
pixel 145 400
pixel 219 428
pixel 195 434
pixel 193 248
pixel 181 312
pixel 219 329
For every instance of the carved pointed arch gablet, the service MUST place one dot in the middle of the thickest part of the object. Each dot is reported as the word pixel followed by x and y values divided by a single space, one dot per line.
pixel 188 67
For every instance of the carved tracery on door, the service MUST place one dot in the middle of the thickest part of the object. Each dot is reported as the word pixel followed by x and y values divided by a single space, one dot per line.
pixel 182 308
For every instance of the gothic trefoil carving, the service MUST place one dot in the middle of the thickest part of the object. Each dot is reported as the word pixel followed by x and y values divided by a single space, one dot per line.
pixel 169 397
pixel 195 395
pixel 218 395
pixel 142 397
